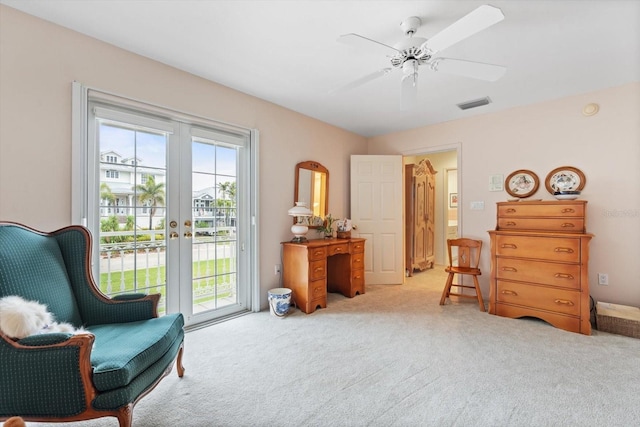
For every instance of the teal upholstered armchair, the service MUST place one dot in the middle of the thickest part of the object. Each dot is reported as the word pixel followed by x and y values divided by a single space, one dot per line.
pixel 126 351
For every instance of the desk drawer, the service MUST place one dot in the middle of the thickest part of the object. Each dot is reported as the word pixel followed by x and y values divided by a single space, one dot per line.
pixel 565 225
pixel 317 289
pixel 546 273
pixel 342 248
pixel 539 297
pixel 317 269
pixel 317 253
pixel 357 261
pixel 565 249
pixel 357 247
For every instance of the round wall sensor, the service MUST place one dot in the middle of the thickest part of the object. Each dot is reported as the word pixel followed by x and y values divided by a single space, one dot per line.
pixel 590 109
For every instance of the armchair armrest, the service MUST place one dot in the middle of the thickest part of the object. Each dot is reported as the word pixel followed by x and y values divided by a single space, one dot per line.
pixel 46 375
pixel 122 308
pixel 129 297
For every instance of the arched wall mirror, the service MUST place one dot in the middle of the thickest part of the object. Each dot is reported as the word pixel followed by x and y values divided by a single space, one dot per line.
pixel 312 187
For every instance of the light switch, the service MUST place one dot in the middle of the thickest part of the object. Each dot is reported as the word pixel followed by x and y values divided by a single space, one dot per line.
pixel 477 206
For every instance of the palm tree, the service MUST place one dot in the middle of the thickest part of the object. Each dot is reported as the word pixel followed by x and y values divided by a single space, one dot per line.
pixel 106 194
pixel 152 194
pixel 228 190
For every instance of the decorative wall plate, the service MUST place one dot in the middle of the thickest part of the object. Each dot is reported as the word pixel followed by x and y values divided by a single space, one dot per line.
pixel 565 178
pixel 522 183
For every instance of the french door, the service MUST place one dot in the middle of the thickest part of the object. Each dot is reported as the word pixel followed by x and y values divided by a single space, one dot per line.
pixel 168 203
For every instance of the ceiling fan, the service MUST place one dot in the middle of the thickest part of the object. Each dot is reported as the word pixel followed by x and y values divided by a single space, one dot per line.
pixel 412 52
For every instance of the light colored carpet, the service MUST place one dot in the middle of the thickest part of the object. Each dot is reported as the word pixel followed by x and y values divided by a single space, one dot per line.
pixel 394 357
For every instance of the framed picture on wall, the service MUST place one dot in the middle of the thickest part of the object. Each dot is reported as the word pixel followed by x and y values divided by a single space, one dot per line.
pixel 453 200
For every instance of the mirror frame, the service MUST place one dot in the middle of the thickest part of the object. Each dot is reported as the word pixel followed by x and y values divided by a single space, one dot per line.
pixel 313 167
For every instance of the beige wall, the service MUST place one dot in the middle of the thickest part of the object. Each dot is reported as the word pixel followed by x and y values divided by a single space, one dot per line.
pixel 38 62
pixel 541 137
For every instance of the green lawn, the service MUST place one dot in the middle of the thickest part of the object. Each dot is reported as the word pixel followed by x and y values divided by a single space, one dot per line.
pixel 204 274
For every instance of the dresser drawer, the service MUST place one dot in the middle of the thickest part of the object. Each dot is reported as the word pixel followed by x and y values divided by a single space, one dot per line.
pixel 317 253
pixel 539 297
pixel 565 225
pixel 546 273
pixel 565 249
pixel 317 269
pixel 541 210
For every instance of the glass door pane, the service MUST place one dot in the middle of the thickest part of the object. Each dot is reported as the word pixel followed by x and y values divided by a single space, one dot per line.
pixel 214 274
pixel 132 238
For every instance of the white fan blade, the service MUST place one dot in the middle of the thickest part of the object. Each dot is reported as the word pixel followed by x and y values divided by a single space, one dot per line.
pixel 409 95
pixel 474 22
pixel 476 70
pixel 364 43
pixel 362 80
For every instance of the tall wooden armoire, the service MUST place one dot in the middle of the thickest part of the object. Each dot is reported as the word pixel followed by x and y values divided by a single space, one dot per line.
pixel 420 189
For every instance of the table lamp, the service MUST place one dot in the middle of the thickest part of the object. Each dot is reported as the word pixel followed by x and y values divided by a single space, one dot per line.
pixel 299 229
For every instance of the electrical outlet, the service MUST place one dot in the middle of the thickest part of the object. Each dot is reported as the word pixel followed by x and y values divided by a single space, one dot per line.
pixel 277 269
pixel 603 279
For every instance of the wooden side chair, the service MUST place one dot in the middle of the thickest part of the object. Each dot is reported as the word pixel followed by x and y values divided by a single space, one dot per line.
pixel 467 263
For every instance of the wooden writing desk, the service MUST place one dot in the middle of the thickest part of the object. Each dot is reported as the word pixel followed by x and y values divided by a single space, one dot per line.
pixel 313 268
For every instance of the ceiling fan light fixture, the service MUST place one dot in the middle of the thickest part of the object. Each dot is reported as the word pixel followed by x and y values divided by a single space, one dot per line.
pixel 475 103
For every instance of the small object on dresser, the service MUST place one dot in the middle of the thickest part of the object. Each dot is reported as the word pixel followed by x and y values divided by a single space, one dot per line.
pixel 618 319
pixel 566 195
pixel 344 228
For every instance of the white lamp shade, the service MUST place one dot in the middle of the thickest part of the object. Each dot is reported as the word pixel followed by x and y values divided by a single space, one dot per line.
pixel 300 209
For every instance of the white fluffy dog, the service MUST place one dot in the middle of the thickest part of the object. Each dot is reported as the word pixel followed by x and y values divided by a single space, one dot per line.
pixel 20 318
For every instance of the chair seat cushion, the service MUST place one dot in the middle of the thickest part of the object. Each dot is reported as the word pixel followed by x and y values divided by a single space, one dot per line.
pixel 122 351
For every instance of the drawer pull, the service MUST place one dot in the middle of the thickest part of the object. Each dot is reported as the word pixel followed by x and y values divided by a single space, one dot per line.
pixel 568 210
pixel 564 302
pixel 318 252
pixel 509 246
pixel 338 249
pixel 357 246
pixel 357 277
pixel 511 210
pixel 510 224
pixel 318 269
pixel 568 225
pixel 565 250
pixel 358 259
pixel 509 292
pixel 509 269
pixel 563 276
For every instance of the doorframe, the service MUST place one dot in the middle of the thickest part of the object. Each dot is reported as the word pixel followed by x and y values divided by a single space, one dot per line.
pixel 457 147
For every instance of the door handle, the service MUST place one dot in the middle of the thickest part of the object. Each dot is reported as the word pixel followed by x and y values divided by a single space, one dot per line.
pixel 173 235
pixel 188 235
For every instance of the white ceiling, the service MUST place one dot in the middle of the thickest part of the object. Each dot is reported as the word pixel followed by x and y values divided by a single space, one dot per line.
pixel 286 51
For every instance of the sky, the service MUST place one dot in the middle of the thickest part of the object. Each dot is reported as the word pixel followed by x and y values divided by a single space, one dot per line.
pixel 211 164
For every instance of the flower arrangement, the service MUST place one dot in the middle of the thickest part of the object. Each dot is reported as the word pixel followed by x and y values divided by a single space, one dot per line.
pixel 327 226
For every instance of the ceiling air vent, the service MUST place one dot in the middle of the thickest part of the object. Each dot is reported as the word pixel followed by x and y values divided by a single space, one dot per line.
pixel 475 103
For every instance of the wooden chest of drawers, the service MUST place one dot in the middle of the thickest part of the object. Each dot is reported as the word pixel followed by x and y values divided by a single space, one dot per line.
pixel 313 268
pixel 539 263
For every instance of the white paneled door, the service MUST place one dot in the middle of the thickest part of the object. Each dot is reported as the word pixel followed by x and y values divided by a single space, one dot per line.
pixel 376 209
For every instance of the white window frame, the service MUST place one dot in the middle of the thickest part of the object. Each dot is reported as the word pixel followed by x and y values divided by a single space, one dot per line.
pixel 81 168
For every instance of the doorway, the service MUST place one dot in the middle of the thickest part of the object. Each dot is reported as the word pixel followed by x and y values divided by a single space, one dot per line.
pixel 445 161
pixel 170 200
